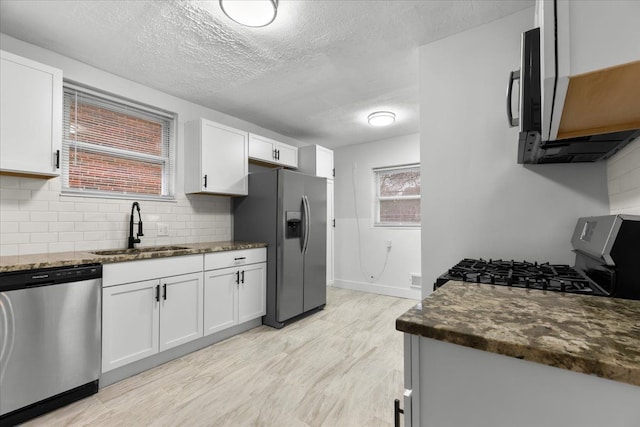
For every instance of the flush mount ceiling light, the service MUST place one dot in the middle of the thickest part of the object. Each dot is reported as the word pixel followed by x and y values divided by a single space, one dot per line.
pixel 252 13
pixel 381 118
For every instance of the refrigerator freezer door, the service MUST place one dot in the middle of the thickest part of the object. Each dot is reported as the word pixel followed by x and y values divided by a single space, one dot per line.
pixel 315 257
pixel 290 277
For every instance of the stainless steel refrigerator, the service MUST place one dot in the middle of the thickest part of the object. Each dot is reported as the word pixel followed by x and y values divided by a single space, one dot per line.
pixel 288 211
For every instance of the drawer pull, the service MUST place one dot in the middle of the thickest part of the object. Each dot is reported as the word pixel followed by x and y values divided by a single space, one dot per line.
pixel 240 258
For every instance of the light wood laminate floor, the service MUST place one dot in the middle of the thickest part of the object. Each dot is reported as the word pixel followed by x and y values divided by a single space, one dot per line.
pixel 339 367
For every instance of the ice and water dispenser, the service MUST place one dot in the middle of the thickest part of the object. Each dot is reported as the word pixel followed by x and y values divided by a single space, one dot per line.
pixel 294 224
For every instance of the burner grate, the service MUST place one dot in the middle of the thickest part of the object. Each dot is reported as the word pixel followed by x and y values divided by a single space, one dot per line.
pixel 523 274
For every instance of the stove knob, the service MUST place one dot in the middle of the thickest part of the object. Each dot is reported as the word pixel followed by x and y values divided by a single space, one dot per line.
pixel 563 288
pixel 545 284
pixel 493 279
pixel 526 283
pixel 478 278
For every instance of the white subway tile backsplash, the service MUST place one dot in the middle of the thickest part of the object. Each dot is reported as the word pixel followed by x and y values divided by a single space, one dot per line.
pixel 61 226
pixel 35 218
pixel 32 248
pixel 623 174
pixel 33 227
pixel 43 216
pixel 44 237
pixel 61 247
pixel 14 194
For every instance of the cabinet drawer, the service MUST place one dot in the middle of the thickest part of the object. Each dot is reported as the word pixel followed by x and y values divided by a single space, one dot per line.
pixel 147 269
pixel 217 260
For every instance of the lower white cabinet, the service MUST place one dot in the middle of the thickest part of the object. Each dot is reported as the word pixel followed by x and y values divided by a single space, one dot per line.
pixel 234 295
pixel 142 318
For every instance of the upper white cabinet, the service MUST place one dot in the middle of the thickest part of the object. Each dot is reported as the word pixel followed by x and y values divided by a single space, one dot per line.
pixel 316 160
pixel 216 159
pixel 271 151
pixel 590 66
pixel 30 117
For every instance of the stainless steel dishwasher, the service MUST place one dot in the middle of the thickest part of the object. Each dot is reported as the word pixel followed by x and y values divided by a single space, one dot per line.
pixel 50 339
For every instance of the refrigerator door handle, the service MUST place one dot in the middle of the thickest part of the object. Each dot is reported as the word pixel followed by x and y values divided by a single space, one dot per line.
pixel 307 218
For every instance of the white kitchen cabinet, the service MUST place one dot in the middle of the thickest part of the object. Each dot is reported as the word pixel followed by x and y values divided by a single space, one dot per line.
pixel 130 323
pixel 271 151
pixel 450 385
pixel 216 159
pixel 316 160
pixel 30 117
pixel 148 315
pixel 220 300
pixel 236 294
pixel 181 307
pixel 590 63
pixel 331 229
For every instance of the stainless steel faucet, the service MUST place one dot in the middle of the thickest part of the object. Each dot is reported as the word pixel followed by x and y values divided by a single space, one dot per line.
pixel 134 240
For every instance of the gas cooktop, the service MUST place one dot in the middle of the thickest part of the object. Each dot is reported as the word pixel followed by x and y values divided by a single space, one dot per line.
pixel 522 274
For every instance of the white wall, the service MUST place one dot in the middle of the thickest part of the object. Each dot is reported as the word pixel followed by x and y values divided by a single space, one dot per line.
pixel 35 218
pixel 360 256
pixel 477 201
pixel 623 175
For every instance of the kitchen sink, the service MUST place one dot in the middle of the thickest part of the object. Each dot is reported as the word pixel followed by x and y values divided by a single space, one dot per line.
pixel 139 250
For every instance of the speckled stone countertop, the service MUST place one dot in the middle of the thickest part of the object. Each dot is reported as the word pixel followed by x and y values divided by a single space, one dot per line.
pixel 588 334
pixel 60 259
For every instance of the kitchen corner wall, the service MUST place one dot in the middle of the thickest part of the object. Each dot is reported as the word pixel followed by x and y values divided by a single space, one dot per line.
pixel 358 256
pixel 477 201
pixel 623 175
pixel 35 218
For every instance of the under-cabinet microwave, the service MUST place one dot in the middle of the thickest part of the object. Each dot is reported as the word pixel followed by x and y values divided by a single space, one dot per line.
pixel 533 146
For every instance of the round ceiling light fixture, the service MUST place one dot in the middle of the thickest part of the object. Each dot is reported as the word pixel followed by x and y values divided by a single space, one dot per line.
pixel 381 118
pixel 251 13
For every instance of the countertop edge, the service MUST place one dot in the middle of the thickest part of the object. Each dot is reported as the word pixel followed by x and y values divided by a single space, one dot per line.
pixel 14 263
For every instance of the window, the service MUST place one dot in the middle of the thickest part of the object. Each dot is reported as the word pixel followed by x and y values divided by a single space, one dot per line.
pixel 114 148
pixel 397 198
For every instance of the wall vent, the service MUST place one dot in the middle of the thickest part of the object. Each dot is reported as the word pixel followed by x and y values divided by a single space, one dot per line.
pixel 416 280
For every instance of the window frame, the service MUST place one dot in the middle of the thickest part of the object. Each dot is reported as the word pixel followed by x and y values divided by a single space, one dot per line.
pixel 168 121
pixel 377 197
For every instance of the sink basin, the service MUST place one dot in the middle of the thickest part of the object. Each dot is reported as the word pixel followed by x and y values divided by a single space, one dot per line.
pixel 139 250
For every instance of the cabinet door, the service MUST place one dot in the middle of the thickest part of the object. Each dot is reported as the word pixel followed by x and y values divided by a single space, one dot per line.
pixel 330 231
pixel 287 155
pixel 220 299
pixel 224 159
pixel 30 116
pixel 324 162
pixel 130 323
pixel 180 309
pixel 261 148
pixel 252 295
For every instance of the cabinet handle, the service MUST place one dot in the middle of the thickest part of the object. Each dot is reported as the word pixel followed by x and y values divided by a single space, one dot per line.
pixel 240 258
pixel 242 280
pixel 278 151
pixel 157 293
pixel 57 159
pixel 396 413
pixel 164 291
pixel 237 277
pixel 205 181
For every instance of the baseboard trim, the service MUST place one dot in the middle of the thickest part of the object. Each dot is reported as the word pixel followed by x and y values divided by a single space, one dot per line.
pixel 378 289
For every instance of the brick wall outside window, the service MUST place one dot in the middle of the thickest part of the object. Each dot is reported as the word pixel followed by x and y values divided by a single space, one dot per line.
pixel 398 196
pixel 113 148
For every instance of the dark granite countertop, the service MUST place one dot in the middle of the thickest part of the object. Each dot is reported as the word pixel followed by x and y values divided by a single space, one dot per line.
pixel 588 334
pixel 60 259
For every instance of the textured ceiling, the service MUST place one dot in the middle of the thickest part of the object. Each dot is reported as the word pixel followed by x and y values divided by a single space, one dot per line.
pixel 313 75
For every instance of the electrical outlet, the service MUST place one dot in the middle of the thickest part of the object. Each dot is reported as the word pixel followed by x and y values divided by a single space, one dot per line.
pixel 389 242
pixel 163 229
